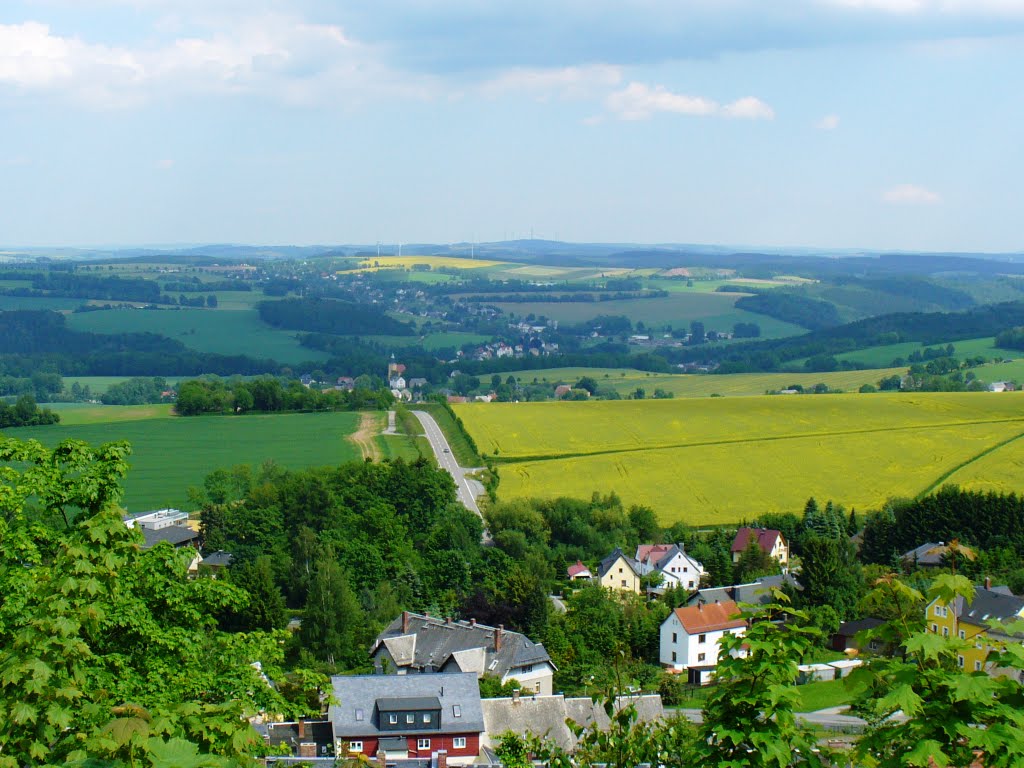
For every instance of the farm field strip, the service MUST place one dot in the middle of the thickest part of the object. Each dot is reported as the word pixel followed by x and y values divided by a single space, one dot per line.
pixel 725 483
pixel 624 381
pixel 509 430
pixel 170 455
pixel 374 263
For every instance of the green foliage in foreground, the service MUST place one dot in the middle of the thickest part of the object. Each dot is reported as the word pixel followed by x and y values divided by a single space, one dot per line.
pixel 108 653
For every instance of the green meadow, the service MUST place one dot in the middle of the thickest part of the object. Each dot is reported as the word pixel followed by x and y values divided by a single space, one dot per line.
pixel 170 454
pixel 228 333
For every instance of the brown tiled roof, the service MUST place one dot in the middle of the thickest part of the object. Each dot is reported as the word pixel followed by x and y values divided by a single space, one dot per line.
pixel 710 617
pixel 765 538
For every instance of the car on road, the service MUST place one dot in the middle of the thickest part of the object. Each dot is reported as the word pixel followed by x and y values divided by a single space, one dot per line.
pixel 446 450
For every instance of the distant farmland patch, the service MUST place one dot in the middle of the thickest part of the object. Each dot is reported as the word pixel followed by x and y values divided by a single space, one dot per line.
pixel 228 333
pixel 434 262
pixel 724 460
pixel 171 454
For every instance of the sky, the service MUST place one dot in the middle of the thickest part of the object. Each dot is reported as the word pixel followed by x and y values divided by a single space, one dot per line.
pixel 874 124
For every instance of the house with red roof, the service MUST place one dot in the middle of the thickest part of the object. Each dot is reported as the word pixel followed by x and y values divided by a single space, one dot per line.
pixel 670 561
pixel 579 572
pixel 690 638
pixel 770 541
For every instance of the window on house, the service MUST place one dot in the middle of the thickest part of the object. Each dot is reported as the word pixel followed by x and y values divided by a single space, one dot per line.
pixel 686 569
pixel 977 666
pixel 422 743
pixel 945 631
pixel 701 656
pixel 959 661
pixel 410 718
pixel 623 582
pixel 459 742
pixel 359 715
pixel 355 746
pixel 536 687
pixel 457 710
pixel 702 638
pixel 935 627
pixel 426 717
pixel 963 635
pixel 393 719
pixel 673 655
pixel 620 570
pixel 675 637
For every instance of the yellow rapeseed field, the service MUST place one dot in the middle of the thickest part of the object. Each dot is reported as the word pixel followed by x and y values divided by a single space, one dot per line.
pixel 725 459
pixel 436 262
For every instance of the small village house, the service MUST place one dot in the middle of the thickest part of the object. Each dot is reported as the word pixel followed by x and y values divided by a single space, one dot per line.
pixel 770 541
pixel 690 638
pixel 620 572
pixel 982 623
pixel 579 572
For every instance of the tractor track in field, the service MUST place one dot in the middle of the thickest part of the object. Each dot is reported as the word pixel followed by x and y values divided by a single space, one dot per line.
pixel 966 463
pixel 499 459
pixel 364 438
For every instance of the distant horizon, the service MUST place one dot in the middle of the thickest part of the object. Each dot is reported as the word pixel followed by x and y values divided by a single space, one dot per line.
pixel 682 247
pixel 890 124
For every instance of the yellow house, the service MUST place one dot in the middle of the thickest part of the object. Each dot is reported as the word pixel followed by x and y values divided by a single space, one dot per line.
pixel 620 572
pixel 978 623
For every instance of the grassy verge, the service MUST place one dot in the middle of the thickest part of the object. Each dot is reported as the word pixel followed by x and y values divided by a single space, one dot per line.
pixel 457 438
pixel 824 695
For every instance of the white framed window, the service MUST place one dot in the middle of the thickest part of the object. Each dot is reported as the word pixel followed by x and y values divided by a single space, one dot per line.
pixel 963 635
pixel 459 742
pixel 355 746
pixel 410 718
pixel 935 627
pixel 977 666
pixel 701 656
pixel 945 631
pixel 426 717
pixel 457 710
pixel 959 661
pixel 393 719
pixel 359 715
pixel 422 744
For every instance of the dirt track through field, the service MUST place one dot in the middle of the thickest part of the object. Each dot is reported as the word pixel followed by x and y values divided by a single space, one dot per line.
pixel 364 438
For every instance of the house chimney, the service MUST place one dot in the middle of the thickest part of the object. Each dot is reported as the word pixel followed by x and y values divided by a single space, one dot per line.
pixel 497 637
pixel 302 728
pixel 988 582
pixel 700 606
pixel 405 622
pixel 442 758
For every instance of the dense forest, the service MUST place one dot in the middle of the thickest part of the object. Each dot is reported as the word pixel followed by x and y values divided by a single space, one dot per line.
pixel 330 316
pixel 793 308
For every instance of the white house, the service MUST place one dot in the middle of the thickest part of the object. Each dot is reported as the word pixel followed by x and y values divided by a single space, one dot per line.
pixel 690 638
pixel 677 568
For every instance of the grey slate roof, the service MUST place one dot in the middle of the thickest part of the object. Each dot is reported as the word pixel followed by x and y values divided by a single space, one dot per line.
pixel 363 692
pixel 932 554
pixel 319 732
pixel 177 535
pixel 852 628
pixel 989 606
pixel 757 592
pixel 545 716
pixel 218 559
pixel 432 644
pixel 408 702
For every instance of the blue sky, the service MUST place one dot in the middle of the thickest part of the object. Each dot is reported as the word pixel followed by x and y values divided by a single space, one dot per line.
pixel 827 123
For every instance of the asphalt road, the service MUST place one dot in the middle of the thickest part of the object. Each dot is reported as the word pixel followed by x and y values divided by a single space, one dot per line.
pixel 468 490
pixel 825 718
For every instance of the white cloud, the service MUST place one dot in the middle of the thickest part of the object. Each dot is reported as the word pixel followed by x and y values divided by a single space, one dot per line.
pixel 951 7
pixel 749 108
pixel 271 54
pixel 638 101
pixel 910 194
pixel 165 165
pixel 567 82
pixel 828 123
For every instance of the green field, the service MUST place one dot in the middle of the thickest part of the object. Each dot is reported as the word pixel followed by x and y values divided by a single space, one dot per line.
pixel 626 380
pixel 727 459
pixel 678 310
pixel 431 341
pixel 171 454
pixel 882 356
pixel 204 330
pixel 100 384
pixel 75 414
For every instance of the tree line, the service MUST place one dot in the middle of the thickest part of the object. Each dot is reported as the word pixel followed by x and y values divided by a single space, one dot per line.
pixel 330 316
pixel 270 395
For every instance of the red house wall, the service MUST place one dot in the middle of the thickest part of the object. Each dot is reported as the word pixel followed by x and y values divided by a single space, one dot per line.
pixel 437 743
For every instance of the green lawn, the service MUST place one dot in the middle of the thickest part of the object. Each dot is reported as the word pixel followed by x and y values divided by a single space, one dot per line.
pixel 824 695
pixel 228 333
pixel 77 414
pixel 171 454
pixel 431 341
pixel 880 357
